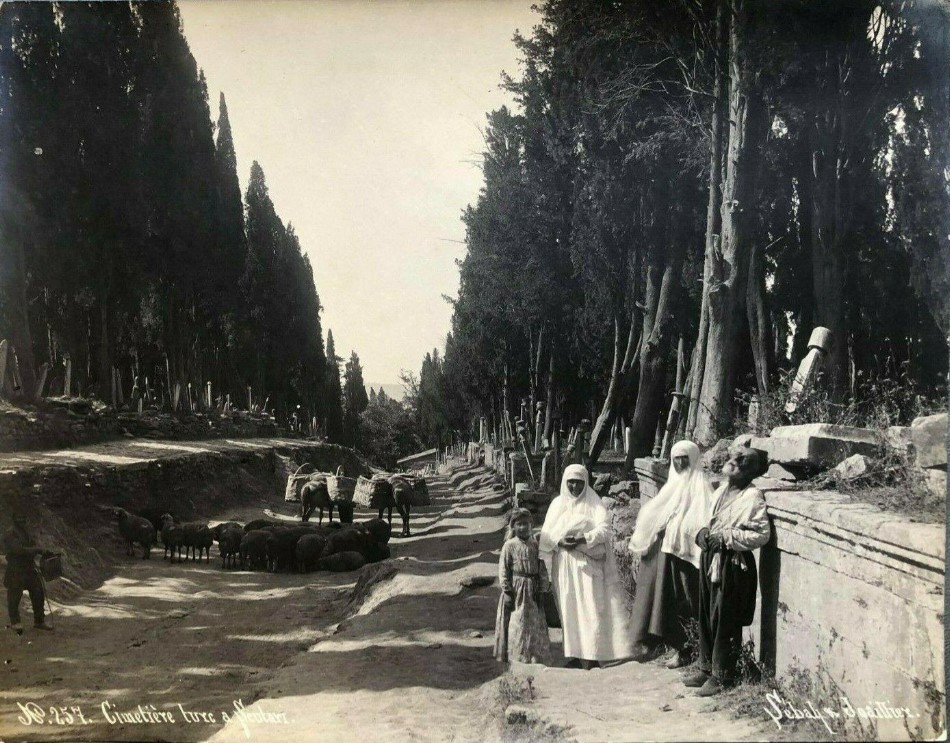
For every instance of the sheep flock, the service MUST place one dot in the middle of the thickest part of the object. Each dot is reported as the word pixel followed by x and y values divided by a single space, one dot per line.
pixel 262 544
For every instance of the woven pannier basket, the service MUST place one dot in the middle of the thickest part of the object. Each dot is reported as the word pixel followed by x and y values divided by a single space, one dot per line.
pixel 296 481
pixel 373 493
pixel 341 488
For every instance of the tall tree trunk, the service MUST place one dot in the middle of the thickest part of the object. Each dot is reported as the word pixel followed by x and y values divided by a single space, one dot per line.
pixel 760 321
pixel 622 372
pixel 21 336
pixel 662 280
pixel 729 268
pixel 549 407
pixel 105 355
pixel 713 210
pixel 826 254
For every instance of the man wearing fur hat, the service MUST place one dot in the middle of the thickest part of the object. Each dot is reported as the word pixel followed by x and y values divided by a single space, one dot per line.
pixel 727 574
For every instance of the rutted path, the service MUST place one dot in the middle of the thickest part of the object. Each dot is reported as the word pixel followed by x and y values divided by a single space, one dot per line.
pixel 403 655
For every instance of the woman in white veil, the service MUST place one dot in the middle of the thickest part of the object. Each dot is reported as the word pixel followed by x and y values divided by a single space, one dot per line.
pixel 667 593
pixel 576 546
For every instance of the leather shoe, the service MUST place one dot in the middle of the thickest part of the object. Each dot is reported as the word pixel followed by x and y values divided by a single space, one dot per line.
pixel 697 679
pixel 46 627
pixel 711 688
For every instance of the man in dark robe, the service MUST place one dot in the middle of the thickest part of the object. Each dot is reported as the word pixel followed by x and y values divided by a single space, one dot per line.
pixel 22 574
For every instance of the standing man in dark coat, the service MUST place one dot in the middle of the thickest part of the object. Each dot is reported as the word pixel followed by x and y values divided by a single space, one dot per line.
pixel 22 574
pixel 727 574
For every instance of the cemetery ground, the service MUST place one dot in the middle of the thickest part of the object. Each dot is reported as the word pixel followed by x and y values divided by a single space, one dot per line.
pixel 401 650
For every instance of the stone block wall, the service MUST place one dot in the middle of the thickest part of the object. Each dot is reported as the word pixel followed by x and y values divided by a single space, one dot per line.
pixel 848 590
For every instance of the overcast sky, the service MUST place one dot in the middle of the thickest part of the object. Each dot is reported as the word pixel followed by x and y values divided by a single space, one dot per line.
pixel 366 118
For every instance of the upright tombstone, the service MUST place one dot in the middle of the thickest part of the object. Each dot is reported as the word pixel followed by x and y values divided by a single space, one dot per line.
pixel 4 354
pixel 41 380
pixel 539 426
pixel 68 382
pixel 819 344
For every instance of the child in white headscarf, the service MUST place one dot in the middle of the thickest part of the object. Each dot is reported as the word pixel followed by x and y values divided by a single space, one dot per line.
pixel 575 543
pixel 667 596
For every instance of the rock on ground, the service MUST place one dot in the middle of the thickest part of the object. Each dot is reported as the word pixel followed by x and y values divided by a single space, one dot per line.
pixel 855 466
pixel 929 435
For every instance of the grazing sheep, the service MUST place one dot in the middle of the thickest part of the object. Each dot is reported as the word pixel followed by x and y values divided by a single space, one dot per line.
pixel 377 552
pixel 261 524
pixel 197 537
pixel 135 529
pixel 342 562
pixel 154 515
pixel 172 537
pixel 254 549
pixel 218 528
pixel 282 547
pixel 380 530
pixel 229 536
pixel 354 539
pixel 309 548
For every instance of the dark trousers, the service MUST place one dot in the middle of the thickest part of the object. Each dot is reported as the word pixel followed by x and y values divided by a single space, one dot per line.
pixel 14 595
pixel 724 609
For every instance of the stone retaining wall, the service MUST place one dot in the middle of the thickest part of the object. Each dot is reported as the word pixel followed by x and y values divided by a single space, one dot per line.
pixel 854 595
pixel 25 430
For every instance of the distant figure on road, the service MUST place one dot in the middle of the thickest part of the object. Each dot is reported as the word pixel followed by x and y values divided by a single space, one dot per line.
pixel 727 575
pixel 22 574
pixel 575 539
pixel 521 631
pixel 667 597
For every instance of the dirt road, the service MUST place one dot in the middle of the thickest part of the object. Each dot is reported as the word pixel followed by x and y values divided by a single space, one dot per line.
pixel 193 652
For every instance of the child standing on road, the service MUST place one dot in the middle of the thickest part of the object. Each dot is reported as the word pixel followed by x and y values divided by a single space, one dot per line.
pixel 521 631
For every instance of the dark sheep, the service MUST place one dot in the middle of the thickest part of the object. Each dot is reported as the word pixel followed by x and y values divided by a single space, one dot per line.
pixel 172 537
pixel 342 562
pixel 377 552
pixel 135 529
pixel 282 547
pixel 229 542
pixel 261 524
pixel 309 549
pixel 197 537
pixel 380 530
pixel 353 539
pixel 254 549
pixel 218 528
pixel 154 515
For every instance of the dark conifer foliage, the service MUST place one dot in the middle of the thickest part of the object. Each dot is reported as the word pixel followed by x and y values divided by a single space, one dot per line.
pixel 124 243
pixel 602 212
pixel 334 392
pixel 355 402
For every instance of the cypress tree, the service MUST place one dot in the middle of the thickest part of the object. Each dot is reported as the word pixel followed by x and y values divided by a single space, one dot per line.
pixel 334 392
